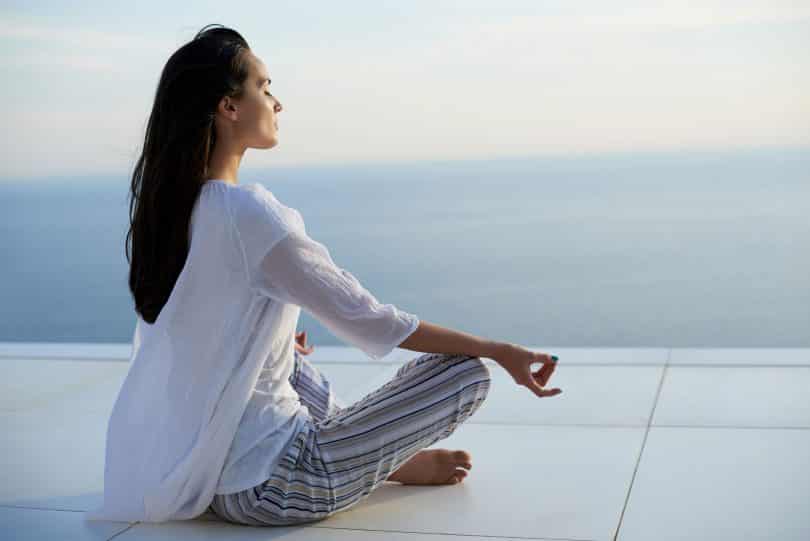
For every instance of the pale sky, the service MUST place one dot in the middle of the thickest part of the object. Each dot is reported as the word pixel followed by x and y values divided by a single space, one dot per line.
pixel 417 80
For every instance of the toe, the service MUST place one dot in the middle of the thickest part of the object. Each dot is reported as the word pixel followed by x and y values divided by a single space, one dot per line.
pixel 462 457
pixel 456 477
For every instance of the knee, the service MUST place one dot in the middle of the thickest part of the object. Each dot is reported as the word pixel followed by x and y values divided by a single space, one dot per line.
pixel 475 382
pixel 473 367
pixel 477 365
pixel 479 371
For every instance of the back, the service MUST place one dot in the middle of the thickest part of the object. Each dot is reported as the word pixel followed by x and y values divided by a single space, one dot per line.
pixel 192 372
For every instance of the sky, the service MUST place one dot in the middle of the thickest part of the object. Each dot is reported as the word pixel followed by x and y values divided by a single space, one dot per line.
pixel 393 81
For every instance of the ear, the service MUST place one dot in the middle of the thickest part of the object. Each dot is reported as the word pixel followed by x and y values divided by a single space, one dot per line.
pixel 228 108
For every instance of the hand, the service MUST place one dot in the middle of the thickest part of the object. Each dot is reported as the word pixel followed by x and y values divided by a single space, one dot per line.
pixel 301 343
pixel 517 361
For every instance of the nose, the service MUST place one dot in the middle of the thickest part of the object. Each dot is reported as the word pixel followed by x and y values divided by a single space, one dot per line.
pixel 277 107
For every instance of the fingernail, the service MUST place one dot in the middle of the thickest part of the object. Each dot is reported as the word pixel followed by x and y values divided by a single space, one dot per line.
pixel 554 357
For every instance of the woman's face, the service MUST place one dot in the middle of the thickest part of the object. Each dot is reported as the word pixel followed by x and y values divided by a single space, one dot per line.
pixel 255 115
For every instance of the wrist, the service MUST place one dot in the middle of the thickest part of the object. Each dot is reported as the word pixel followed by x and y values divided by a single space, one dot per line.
pixel 495 349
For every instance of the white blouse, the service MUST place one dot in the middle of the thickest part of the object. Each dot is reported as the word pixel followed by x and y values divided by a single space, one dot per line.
pixel 207 407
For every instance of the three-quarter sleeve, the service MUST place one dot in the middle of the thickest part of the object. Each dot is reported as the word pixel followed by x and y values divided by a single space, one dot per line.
pixel 300 270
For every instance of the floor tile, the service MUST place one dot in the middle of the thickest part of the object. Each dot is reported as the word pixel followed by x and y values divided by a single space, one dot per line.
pixel 745 356
pixel 567 355
pixel 352 381
pixel 53 459
pixel 32 383
pixel 704 483
pixel 591 395
pixel 606 356
pixel 194 530
pixel 66 350
pixel 54 449
pixel 40 524
pixel 533 482
pixel 754 396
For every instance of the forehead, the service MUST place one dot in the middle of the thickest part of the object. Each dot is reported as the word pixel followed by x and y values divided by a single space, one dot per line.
pixel 258 67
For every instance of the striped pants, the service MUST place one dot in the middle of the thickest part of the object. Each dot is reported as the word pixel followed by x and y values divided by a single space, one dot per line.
pixel 343 453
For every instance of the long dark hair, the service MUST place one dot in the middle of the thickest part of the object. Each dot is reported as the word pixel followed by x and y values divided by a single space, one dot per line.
pixel 169 174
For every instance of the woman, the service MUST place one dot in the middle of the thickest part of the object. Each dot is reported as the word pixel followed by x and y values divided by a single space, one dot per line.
pixel 220 410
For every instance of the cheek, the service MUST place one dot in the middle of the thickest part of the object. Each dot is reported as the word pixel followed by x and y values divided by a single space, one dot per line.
pixel 264 110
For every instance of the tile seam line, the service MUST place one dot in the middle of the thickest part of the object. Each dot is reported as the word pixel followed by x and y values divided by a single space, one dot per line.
pixel 736 427
pixel 456 534
pixel 4 411
pixel 653 425
pixel 30 508
pixel 133 524
pixel 676 364
pixel 129 527
pixel 643 446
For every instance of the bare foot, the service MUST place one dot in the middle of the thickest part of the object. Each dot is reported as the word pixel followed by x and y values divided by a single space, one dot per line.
pixel 434 467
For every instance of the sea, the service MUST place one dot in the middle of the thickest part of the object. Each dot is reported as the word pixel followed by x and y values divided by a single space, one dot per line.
pixel 684 248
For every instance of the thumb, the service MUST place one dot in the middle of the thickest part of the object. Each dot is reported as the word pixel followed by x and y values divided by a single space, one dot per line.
pixel 539 391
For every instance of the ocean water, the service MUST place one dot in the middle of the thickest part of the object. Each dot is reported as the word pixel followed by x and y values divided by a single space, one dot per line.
pixel 681 249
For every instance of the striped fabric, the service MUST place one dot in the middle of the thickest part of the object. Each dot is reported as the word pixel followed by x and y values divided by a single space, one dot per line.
pixel 343 453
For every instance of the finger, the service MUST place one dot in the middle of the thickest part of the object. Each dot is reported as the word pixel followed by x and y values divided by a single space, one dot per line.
pixel 549 364
pixel 540 378
pixel 536 389
pixel 549 392
pixel 544 374
pixel 545 359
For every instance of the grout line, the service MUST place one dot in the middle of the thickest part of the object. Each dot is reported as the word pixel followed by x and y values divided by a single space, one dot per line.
pixel 737 427
pixel 11 506
pixel 133 524
pixel 530 425
pixel 129 527
pixel 457 534
pixel 324 362
pixel 66 359
pixel 643 445
pixel 606 365
pixel 737 365
pixel 621 425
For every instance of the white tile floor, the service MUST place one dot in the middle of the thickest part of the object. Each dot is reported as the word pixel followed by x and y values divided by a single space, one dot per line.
pixel 643 444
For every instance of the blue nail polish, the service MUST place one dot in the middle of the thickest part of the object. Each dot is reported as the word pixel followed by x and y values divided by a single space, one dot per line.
pixel 554 357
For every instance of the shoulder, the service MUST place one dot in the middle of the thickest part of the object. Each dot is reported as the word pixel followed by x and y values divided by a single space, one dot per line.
pixel 254 206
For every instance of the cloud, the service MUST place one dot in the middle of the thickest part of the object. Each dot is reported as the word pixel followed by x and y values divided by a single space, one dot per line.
pixel 655 16
pixel 84 38
pixel 473 83
pixel 35 44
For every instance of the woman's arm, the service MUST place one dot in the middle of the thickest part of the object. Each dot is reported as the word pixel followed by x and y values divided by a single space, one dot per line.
pixel 516 360
pixel 431 338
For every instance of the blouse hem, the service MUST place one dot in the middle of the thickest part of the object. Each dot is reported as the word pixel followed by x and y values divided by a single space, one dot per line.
pixel 262 478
